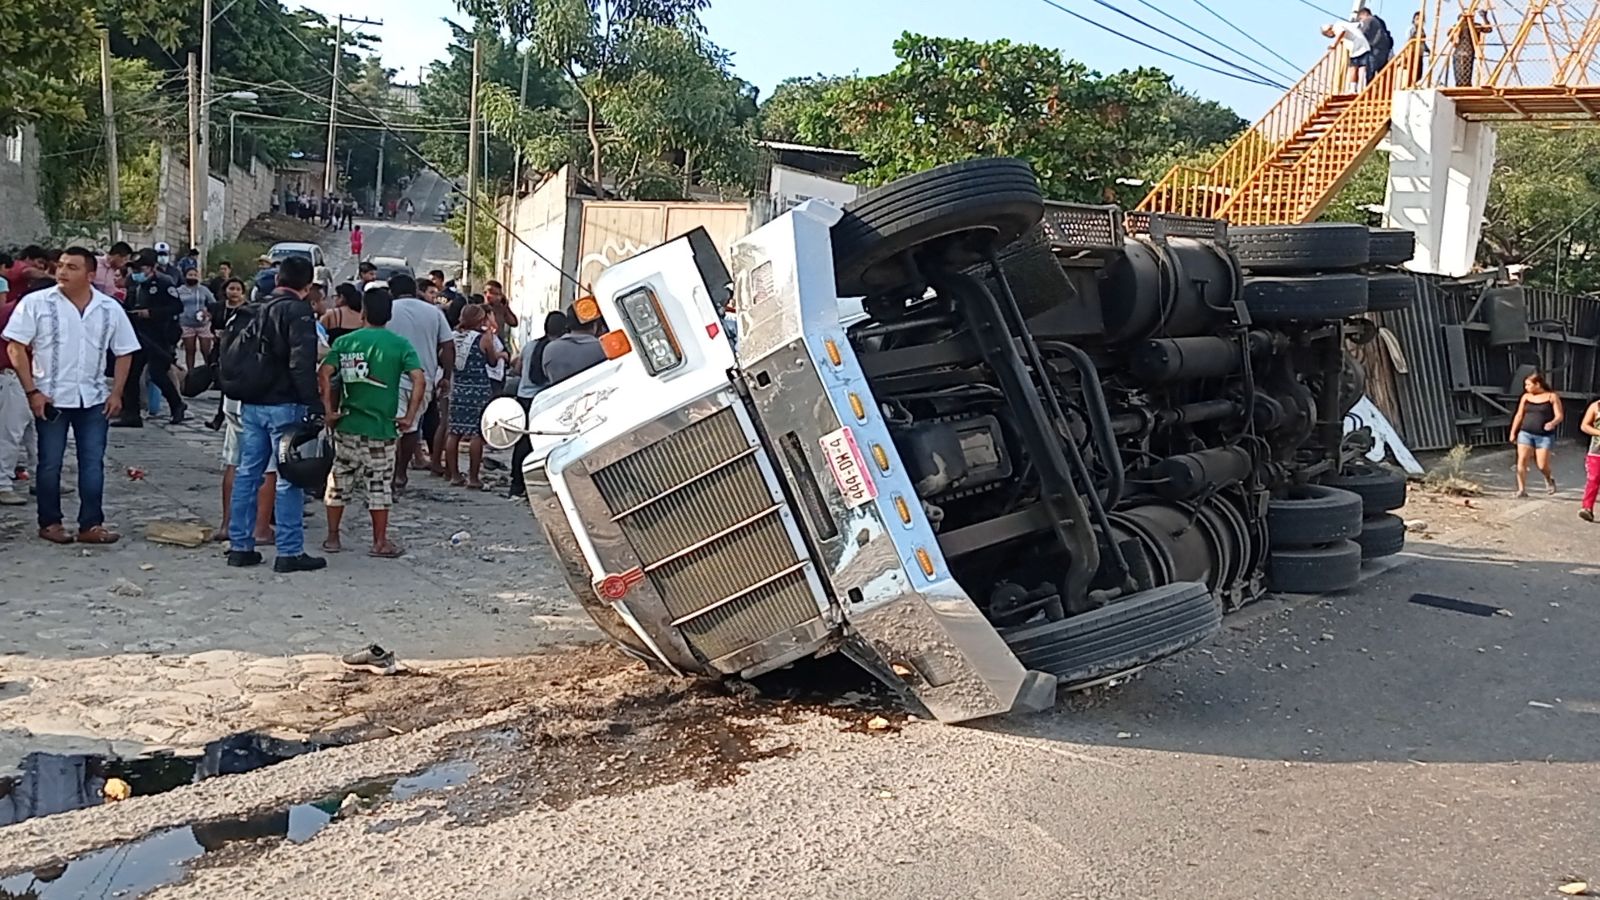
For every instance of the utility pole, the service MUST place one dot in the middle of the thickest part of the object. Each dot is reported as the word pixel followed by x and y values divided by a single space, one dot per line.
pixel 377 179
pixel 472 167
pixel 114 186
pixel 203 130
pixel 516 159
pixel 197 166
pixel 333 110
pixel 333 99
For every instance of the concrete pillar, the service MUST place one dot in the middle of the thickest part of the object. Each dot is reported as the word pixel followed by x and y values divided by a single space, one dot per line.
pixel 1439 170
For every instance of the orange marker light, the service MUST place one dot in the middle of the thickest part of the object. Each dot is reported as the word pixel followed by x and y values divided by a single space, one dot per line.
pixel 903 508
pixel 857 407
pixel 925 561
pixel 881 456
pixel 587 310
pixel 615 344
pixel 833 353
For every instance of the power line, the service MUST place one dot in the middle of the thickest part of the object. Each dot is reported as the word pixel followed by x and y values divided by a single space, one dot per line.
pixel 1195 47
pixel 1248 36
pixel 1208 36
pixel 1167 53
pixel 407 146
pixel 1336 16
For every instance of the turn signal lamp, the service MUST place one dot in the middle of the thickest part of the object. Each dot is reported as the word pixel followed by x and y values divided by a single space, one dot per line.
pixel 587 309
pixel 615 344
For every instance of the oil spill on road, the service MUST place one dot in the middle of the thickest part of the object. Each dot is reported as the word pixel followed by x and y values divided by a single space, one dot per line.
pixel 135 868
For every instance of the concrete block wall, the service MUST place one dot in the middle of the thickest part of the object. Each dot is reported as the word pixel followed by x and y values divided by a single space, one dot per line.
pixel 21 220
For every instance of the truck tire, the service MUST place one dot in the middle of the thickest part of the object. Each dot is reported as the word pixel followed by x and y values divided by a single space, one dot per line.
pixel 1391 292
pixel 1314 247
pixel 1315 570
pixel 1309 299
pixel 1123 635
pixel 1380 488
pixel 980 204
pixel 1390 246
pixel 1312 514
pixel 1382 535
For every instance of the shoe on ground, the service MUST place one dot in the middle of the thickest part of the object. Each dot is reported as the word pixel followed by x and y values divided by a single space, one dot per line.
pixel 302 563
pixel 181 416
pixel 12 498
pixel 127 423
pixel 373 659
pixel 243 559
pixel 1585 514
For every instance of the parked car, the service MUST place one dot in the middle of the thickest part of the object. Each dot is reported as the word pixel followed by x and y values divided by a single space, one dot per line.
pixel 390 266
pixel 319 262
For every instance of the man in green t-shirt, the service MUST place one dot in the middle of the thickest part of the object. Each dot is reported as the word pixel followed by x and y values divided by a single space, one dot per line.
pixel 370 363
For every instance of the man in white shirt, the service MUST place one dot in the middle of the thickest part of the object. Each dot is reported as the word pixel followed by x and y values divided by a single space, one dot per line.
pixel 59 338
pixel 1360 48
pixel 424 325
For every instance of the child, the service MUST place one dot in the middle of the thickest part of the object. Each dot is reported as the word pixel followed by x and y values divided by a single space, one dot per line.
pixel 355 242
pixel 1591 488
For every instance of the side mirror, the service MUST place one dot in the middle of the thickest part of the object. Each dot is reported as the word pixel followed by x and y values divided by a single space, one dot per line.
pixel 504 423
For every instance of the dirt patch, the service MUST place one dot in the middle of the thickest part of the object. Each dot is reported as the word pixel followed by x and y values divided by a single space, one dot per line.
pixel 273 227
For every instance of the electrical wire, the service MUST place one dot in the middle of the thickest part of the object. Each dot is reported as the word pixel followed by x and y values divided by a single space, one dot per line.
pixel 1295 76
pixel 1107 4
pixel 1248 36
pixel 1336 16
pixel 344 125
pixel 1167 53
pixel 407 146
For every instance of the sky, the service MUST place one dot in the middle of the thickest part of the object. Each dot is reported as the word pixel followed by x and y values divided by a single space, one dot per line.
pixel 771 40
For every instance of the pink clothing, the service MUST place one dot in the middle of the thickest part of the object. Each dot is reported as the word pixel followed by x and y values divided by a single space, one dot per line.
pixel 105 277
pixel 355 242
pixel 1591 488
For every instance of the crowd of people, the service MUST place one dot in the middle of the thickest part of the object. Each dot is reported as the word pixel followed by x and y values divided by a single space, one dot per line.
pixel 329 211
pixel 345 390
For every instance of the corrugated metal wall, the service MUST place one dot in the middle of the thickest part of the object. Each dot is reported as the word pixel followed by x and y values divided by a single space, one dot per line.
pixel 1459 389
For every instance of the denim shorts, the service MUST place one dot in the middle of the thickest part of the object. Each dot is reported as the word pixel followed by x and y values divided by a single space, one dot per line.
pixel 1545 441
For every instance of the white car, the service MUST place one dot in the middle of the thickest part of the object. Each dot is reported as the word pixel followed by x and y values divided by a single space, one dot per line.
pixel 319 263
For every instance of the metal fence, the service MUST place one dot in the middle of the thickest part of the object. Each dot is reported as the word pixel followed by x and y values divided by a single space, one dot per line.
pixel 1467 344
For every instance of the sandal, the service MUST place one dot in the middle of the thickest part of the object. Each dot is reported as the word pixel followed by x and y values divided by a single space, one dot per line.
pixel 55 534
pixel 99 534
pixel 458 481
pixel 332 546
pixel 390 550
pixel 474 485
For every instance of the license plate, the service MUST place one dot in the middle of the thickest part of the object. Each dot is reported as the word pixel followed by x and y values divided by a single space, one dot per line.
pixel 849 468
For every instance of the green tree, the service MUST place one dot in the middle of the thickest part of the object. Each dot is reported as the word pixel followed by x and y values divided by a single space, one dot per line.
pixel 950 99
pixel 47 42
pixel 656 101
pixel 796 107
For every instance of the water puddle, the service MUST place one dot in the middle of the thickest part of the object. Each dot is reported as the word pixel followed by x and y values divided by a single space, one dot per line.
pixel 53 783
pixel 133 869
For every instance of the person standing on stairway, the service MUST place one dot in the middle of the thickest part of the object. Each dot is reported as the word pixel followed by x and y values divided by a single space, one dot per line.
pixel 1360 48
pixel 1378 38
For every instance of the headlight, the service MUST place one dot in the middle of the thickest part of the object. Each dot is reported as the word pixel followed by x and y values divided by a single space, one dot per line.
pixel 657 344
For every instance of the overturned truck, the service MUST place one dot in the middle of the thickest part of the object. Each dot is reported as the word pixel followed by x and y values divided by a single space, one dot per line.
pixel 982 444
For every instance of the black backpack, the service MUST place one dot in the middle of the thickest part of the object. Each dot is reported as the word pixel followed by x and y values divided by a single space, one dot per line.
pixel 245 367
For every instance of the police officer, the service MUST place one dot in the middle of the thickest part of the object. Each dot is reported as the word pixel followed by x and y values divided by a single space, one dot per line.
pixel 154 308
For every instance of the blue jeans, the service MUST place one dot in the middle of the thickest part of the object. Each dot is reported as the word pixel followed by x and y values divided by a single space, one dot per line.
pixel 260 427
pixel 89 429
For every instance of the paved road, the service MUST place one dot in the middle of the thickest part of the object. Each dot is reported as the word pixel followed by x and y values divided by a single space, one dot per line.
pixel 423 242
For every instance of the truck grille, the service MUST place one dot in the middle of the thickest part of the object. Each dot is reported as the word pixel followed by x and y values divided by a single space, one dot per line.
pixel 696 508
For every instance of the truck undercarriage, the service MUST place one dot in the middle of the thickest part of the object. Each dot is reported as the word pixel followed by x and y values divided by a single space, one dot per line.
pixel 1053 443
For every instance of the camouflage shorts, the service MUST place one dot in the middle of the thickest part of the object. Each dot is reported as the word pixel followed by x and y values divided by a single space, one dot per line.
pixel 361 465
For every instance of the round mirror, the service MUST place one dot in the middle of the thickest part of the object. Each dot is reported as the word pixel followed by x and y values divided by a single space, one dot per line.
pixel 503 423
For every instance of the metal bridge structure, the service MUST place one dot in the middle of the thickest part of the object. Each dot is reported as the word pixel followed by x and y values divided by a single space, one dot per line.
pixel 1466 61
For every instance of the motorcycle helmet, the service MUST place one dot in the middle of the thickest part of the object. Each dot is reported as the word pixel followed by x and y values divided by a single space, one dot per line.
pixel 197 381
pixel 305 456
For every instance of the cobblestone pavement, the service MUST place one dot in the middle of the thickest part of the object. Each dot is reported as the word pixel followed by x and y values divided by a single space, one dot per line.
pixel 142 645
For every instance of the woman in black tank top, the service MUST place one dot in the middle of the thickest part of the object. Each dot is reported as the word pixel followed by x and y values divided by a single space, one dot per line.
pixel 1533 431
pixel 345 316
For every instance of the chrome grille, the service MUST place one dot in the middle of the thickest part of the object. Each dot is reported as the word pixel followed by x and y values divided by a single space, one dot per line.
pixel 698 512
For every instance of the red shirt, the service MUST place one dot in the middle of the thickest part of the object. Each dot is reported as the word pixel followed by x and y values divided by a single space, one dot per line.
pixel 6 309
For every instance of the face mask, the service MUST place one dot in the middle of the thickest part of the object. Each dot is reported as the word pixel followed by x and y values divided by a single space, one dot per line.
pixel 138 277
pixel 163 259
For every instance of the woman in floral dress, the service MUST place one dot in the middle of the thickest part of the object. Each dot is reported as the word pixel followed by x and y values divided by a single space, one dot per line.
pixel 476 349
